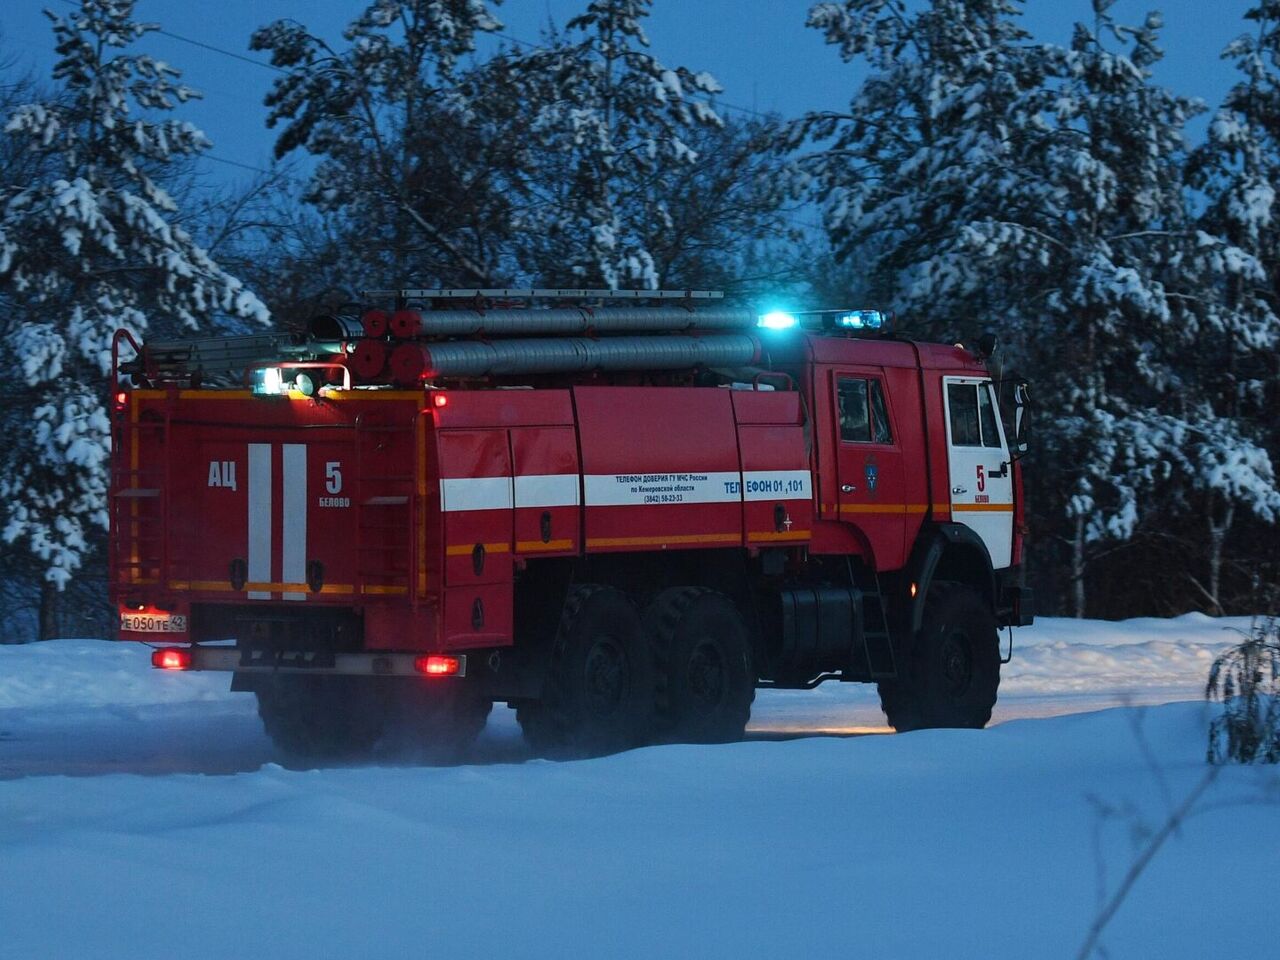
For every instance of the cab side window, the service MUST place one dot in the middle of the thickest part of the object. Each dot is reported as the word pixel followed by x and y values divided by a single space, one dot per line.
pixel 987 413
pixel 864 416
pixel 962 401
pixel 879 415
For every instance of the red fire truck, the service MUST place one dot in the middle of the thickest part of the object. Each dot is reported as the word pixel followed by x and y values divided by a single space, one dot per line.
pixel 618 512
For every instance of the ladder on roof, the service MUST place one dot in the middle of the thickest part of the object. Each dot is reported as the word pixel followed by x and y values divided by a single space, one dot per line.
pixel 538 293
pixel 181 359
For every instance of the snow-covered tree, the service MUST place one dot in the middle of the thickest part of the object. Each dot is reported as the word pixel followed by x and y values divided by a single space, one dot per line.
pixel 1041 191
pixel 722 221
pixel 1238 255
pixel 934 140
pixel 88 246
pixel 416 157
pixel 613 125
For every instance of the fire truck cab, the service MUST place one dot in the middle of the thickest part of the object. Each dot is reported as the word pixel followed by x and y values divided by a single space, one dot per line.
pixel 618 519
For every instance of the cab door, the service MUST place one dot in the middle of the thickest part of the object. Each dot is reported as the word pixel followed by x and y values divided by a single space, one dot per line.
pixel 979 465
pixel 871 484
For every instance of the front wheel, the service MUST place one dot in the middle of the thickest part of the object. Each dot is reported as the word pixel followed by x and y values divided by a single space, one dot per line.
pixel 954 667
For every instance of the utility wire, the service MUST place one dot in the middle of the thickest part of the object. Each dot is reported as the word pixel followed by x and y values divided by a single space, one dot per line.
pixel 212 48
pixel 233 163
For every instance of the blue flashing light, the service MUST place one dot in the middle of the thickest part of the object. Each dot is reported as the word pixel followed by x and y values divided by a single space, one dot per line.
pixel 861 320
pixel 778 320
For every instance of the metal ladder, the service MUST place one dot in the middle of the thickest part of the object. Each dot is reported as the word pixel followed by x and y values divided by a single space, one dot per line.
pixel 387 511
pixel 142 555
pixel 875 631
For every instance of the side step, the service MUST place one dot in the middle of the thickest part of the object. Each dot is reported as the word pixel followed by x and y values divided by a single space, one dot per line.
pixel 876 641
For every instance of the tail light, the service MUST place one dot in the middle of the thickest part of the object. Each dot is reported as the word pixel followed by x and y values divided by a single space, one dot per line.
pixel 437 665
pixel 171 658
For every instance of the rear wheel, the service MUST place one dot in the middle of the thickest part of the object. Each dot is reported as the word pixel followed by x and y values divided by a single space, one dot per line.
pixel 598 696
pixel 433 721
pixel 320 718
pixel 954 668
pixel 705 680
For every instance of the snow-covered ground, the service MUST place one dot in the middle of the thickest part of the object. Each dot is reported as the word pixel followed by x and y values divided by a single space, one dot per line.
pixel 984 844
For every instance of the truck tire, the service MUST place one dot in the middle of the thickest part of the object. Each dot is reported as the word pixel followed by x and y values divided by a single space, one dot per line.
pixel 433 721
pixel 705 681
pixel 320 718
pixel 954 669
pixel 598 695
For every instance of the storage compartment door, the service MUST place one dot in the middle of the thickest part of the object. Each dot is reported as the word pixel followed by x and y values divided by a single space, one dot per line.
pixel 476 498
pixel 547 490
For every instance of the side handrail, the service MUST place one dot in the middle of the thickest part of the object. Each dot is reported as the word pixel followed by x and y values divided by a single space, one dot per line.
pixel 121 335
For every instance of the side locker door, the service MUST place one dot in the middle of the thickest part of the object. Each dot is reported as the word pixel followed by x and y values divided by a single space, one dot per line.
pixel 978 461
pixel 547 490
pixel 869 467
pixel 215 519
pixel 476 501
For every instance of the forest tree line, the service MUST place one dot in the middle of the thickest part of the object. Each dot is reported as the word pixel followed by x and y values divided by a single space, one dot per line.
pixel 978 178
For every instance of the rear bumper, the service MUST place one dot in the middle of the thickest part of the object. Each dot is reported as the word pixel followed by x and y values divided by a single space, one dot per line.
pixel 233 660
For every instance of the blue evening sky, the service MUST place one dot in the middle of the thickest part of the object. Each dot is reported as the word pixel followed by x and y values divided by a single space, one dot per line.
pixel 760 50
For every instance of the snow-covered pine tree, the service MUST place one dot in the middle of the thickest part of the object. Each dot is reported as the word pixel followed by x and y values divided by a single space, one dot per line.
pixel 934 140
pixel 88 246
pixel 611 122
pixel 417 161
pixel 1115 292
pixel 1108 332
pixel 722 222
pixel 1038 190
pixel 1237 256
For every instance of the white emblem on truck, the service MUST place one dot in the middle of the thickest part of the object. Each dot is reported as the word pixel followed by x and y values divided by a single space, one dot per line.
pixel 222 473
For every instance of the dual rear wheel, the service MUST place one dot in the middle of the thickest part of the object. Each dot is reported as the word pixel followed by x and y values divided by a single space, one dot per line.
pixel 337 718
pixel 681 672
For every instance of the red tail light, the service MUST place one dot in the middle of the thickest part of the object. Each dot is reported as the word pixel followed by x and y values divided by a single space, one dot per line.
pixel 171 658
pixel 438 666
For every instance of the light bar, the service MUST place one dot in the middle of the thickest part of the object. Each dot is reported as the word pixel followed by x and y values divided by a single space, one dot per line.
pixel 778 320
pixel 861 320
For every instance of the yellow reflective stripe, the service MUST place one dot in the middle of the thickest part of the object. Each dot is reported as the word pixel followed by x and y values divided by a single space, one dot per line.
pixel 656 541
pixel 532 546
pixel 465 549
pixel 771 536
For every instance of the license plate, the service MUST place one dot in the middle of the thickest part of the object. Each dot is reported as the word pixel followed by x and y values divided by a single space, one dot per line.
pixel 153 622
